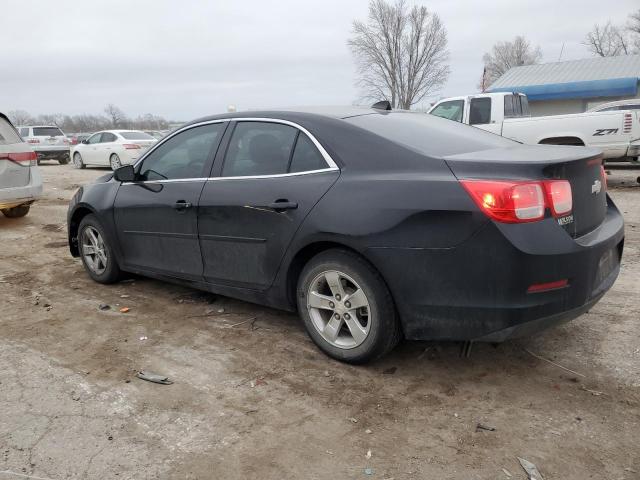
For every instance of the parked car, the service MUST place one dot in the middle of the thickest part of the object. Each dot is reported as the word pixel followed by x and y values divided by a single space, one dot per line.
pixel 629 104
pixel 155 134
pixel 48 141
pixel 112 148
pixel 374 225
pixel 616 133
pixel 20 180
pixel 77 138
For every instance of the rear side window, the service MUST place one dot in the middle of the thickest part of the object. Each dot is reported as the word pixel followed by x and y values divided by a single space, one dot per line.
pixel 509 110
pixel 259 148
pixel 306 156
pixel 182 156
pixel 7 133
pixel 47 132
pixel 24 132
pixel 480 111
pixel 450 110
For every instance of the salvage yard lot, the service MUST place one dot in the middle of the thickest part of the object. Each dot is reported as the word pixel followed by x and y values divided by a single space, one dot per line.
pixel 254 398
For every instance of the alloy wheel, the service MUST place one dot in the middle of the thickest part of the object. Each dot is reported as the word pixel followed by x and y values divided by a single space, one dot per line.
pixel 339 309
pixel 115 162
pixel 77 160
pixel 93 250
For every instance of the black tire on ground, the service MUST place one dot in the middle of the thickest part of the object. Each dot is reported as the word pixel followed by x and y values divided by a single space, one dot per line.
pixel 384 333
pixel 16 212
pixel 77 161
pixel 112 272
pixel 63 160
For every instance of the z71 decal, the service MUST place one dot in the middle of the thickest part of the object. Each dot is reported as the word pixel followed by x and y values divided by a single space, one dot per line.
pixel 605 131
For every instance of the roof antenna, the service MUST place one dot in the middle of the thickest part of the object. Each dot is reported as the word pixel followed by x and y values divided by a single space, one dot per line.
pixel 382 105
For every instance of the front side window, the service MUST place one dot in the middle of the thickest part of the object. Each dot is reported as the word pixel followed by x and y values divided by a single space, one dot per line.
pixel 480 111
pixel 182 156
pixel 450 110
pixel 94 138
pixel 259 148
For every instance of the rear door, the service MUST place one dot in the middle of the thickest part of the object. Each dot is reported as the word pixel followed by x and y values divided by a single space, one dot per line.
pixel 156 216
pixel 14 172
pixel 272 175
pixel 106 147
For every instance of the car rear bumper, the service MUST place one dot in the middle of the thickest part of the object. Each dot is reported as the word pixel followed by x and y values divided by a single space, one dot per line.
pixel 52 152
pixel 15 196
pixel 479 290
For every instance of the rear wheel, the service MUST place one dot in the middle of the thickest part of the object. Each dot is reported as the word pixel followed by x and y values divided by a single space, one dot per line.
pixel 63 160
pixel 96 252
pixel 16 212
pixel 346 307
pixel 77 161
pixel 115 162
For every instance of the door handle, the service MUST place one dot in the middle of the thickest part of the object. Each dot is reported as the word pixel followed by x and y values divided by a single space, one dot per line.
pixel 283 205
pixel 182 205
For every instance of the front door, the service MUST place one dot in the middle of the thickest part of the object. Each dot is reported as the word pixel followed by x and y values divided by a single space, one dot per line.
pixel 273 174
pixel 90 151
pixel 157 215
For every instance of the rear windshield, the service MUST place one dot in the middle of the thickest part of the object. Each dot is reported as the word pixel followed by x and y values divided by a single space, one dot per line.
pixel 7 133
pixel 47 132
pixel 136 136
pixel 428 134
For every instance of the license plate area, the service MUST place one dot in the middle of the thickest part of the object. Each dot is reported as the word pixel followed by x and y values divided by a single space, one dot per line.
pixel 607 264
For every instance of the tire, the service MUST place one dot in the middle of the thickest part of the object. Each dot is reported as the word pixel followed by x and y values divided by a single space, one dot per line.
pixel 110 273
pixel 16 212
pixel 114 162
pixel 63 160
pixel 377 327
pixel 77 161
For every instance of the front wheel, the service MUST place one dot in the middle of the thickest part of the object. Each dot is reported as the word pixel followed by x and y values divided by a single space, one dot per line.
pixel 16 212
pixel 346 307
pixel 77 161
pixel 96 252
pixel 115 162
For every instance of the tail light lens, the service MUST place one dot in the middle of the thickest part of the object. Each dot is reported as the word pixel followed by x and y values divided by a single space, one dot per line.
pixel 131 146
pixel 20 157
pixel 520 202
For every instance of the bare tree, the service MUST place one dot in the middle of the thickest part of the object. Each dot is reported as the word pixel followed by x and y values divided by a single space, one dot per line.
pixel 607 41
pixel 506 55
pixel 117 116
pixel 633 27
pixel 401 54
pixel 20 117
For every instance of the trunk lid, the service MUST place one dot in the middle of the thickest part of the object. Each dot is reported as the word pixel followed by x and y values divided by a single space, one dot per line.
pixel 580 166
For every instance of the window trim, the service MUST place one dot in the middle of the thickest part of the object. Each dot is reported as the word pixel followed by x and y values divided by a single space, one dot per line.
pixel 331 165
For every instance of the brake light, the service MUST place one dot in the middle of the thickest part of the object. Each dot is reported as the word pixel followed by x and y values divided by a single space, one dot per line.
pixel 520 201
pixel 20 157
pixel 559 196
pixel 603 174
pixel 66 141
pixel 33 140
pixel 131 146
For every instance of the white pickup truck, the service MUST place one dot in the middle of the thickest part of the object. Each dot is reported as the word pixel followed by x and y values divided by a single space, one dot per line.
pixel 616 133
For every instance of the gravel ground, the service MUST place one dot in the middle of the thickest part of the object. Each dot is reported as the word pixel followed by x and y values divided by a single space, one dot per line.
pixel 254 398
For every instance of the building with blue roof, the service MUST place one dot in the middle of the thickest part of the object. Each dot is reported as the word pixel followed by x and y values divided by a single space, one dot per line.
pixel 573 86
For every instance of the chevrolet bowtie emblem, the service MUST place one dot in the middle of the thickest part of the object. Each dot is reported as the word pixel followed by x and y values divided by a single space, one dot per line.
pixel 596 187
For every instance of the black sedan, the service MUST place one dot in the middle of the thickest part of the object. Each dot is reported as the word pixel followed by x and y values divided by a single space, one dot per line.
pixel 373 224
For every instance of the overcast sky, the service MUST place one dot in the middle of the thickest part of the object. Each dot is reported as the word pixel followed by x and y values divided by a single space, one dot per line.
pixel 187 58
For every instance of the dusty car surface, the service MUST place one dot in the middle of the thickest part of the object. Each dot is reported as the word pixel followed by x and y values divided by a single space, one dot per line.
pixel 375 225
pixel 20 181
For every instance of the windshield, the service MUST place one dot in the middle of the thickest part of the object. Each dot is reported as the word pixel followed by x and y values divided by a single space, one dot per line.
pixel 136 136
pixel 47 132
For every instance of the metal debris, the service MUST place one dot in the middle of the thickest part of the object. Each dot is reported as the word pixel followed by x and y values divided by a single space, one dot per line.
pixel 154 377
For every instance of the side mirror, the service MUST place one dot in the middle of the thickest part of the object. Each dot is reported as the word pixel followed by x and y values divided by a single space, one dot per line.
pixel 126 173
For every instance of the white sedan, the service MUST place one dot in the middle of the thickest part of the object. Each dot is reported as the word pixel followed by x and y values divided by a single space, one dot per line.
pixel 112 148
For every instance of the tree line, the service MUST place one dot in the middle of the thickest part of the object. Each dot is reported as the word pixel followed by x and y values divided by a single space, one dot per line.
pixel 401 52
pixel 111 118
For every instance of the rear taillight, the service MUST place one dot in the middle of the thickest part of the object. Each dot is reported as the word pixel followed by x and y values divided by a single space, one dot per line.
pixel 603 175
pixel 131 146
pixel 33 140
pixel 66 141
pixel 520 202
pixel 627 123
pixel 20 157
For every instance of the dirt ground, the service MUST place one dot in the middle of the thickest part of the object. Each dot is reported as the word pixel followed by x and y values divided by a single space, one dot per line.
pixel 254 398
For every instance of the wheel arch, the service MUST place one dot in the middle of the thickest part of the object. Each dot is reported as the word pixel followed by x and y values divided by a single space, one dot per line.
pixel 79 213
pixel 563 140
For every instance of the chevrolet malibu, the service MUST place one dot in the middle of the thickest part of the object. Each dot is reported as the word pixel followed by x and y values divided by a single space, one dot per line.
pixel 374 225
